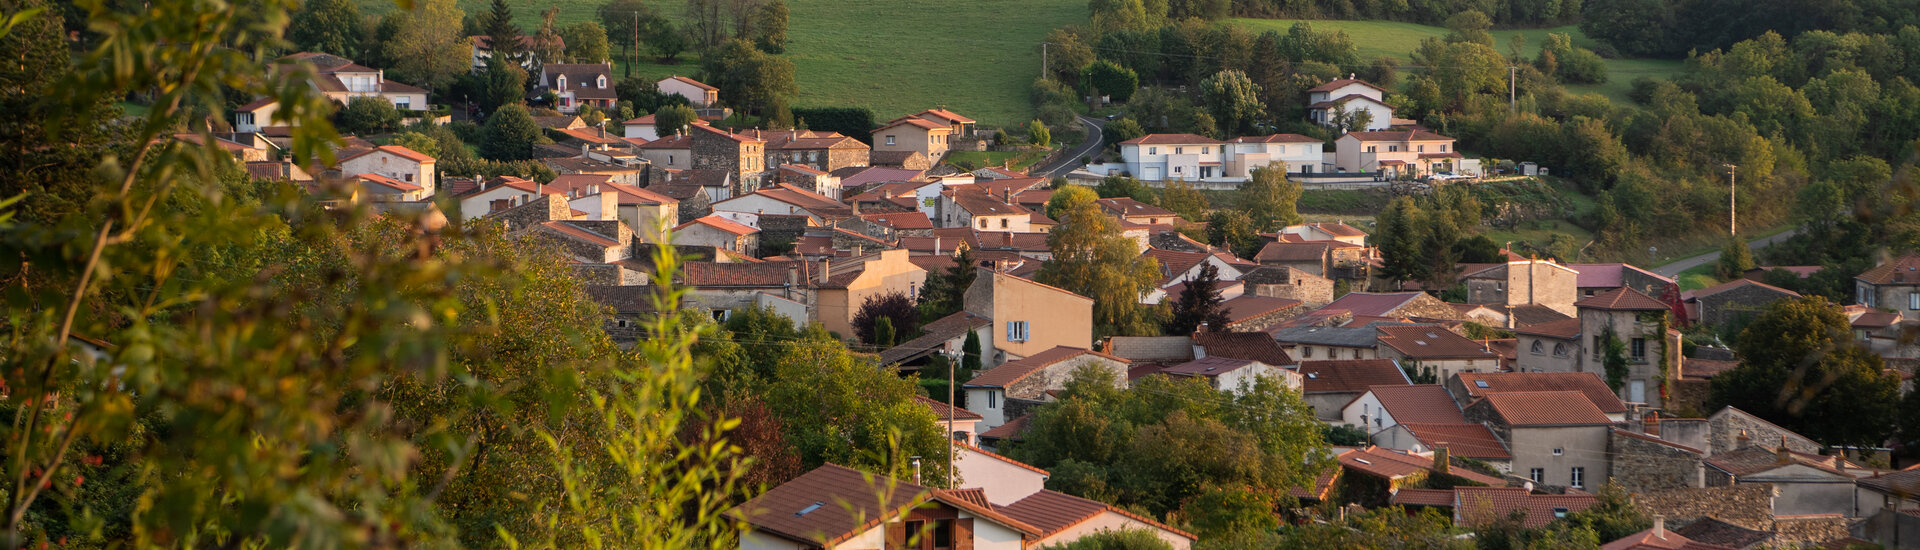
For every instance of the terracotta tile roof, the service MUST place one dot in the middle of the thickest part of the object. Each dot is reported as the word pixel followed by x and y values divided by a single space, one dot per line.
pixel 387 182
pixel 933 335
pixel 975 496
pixel 669 142
pixel 1535 314
pixel 1344 99
pixel 1705 368
pixel 1247 307
pixel 1902 270
pixel 1004 187
pixel 1622 299
pixel 1547 408
pixel 1479 506
pixel 976 202
pixel 940 409
pixel 1252 346
pixel 637 195
pixel 1652 439
pixel 692 82
pixel 1752 460
pixel 1014 371
pixel 884 159
pixel 718 222
pixel 1292 252
pixel 1670 540
pixel 1872 319
pixel 828 505
pixel 1730 285
pixel 944 114
pixel 580 233
pixel 256 104
pixel 1398 135
pixel 1054 511
pixel 901 220
pixel 709 274
pixel 1174 263
pixel 1127 207
pixel 1903 482
pixel 1171 139
pixel 1209 366
pixel 1340 83
pixel 1426 403
pixel 1372 304
pixel 1276 138
pixel 1349 375
pixel 1012 430
pixel 1610 275
pixel 1390 464
pixel 1431 342
pixel 1442 498
pixel 1482 384
pixel 1475 441
pixel 916 122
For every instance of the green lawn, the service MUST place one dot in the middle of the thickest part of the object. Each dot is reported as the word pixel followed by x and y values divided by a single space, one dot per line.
pixel 1698 277
pixel 975 160
pixel 1388 38
pixel 895 57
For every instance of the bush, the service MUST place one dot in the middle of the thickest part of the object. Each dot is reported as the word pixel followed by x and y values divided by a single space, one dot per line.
pixel 367 116
pixel 853 122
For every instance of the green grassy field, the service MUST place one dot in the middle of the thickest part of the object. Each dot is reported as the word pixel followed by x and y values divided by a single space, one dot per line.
pixel 1388 38
pixel 895 57
pixel 1697 277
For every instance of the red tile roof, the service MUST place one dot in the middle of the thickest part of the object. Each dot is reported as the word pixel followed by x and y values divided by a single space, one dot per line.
pixel 916 122
pixel 1276 138
pixel 947 115
pixel 1431 342
pixel 1209 366
pixel 1054 511
pixel 1014 371
pixel 1752 460
pixel 388 182
pixel 901 220
pixel 1668 540
pixel 1652 439
pixel 1479 506
pixel 1705 368
pixel 1442 498
pixel 1012 430
pixel 1391 464
pixel 940 408
pixel 767 274
pixel 718 222
pixel 1252 346
pixel 1171 139
pixel 1127 207
pixel 1482 384
pixel 1564 329
pixel 1423 403
pixel 1902 270
pixel 1246 307
pixel 1398 135
pixel 1349 375
pixel 1622 299
pixel 991 454
pixel 829 505
pixel 1337 84
pixel 1464 440
pixel 1293 252
pixel 694 83
pixel 1547 408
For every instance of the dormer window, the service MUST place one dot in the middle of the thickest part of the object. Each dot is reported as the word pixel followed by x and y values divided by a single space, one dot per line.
pixel 602 83
pixel 560 82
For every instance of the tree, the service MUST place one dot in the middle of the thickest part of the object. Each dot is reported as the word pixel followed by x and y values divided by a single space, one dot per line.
pixel 770 24
pixel 1235 230
pixel 1122 186
pixel 1233 99
pixel 903 318
pixel 1218 512
pixel 674 119
pixel 747 77
pixel 883 335
pixel 330 26
pixel 840 408
pixel 510 134
pixel 1124 539
pixel 946 291
pixel 1038 135
pixel 1125 128
pixel 1470 26
pixel 1399 234
pixel 506 85
pixel 418 142
pixel 587 42
pixel 367 116
pixel 1735 259
pixel 1271 199
pixel 1112 80
pixel 624 21
pixel 425 44
pixel 1198 305
pixel 970 352
pixel 665 40
pixel 503 35
pixel 1613 359
pixel 1800 368
pixel 1091 258
pixel 1067 196
pixel 1180 197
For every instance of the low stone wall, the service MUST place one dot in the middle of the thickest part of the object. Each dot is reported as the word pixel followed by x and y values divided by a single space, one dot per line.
pixel 1747 505
pixel 1641 465
pixel 1797 530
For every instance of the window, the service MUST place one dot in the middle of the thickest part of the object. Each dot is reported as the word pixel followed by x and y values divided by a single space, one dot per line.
pixel 1559 350
pixel 943 534
pixel 1153 150
pixel 1393 148
pixel 913 529
pixel 403 103
pixel 1579 477
pixel 1306 351
pixel 409 178
pixel 1639 346
pixel 1538 475
pixel 669 160
pixel 1179 150
pixel 983 223
pixel 889 140
pixel 1206 150
pixel 602 83
pixel 1539 347
pixel 1003 223
pixel 1559 512
pixel 560 82
pixel 1559 451
pixel 1913 300
pixel 1176 169
pixel 993 399
pixel 1443 147
pixel 1017 331
pixel 1420 148
pixel 1373 148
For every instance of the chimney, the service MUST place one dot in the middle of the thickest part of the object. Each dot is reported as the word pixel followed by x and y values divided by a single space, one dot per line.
pixel 1660 527
pixel 1441 459
pixel 1741 441
pixel 793 275
pixel 1786 456
pixel 936 244
pixel 583 149
pixel 825 264
pixel 480 183
pixel 1652 420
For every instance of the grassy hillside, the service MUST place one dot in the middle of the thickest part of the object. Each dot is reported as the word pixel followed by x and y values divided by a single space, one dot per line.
pixel 1378 38
pixel 895 56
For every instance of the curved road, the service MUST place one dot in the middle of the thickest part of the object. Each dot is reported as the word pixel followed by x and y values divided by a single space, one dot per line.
pixel 1071 160
pixel 1674 269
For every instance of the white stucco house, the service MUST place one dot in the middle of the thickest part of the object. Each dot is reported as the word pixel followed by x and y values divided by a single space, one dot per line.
pixel 393 162
pixel 1168 157
pixel 1327 101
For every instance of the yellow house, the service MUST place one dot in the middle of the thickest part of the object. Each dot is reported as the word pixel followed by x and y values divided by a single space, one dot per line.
pixel 1396 152
pixel 846 284
pixel 1029 317
pixel 913 134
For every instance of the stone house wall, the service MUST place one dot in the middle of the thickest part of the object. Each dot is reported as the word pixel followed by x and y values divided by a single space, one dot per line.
pixel 1731 305
pixel 1729 426
pixel 1055 377
pixel 534 212
pixel 1747 505
pixel 1640 465
pixel 782 227
pixel 1791 532
pixel 1264 322
pixel 846 157
pixel 1425 305
pixel 599 274
pixel 1310 291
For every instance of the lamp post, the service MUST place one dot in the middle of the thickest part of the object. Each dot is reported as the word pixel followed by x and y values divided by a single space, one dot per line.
pixel 953 358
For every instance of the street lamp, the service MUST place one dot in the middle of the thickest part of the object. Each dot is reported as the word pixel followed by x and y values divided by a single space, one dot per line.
pixel 953 357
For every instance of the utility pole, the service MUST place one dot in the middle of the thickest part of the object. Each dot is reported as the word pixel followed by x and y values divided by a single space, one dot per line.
pixel 633 43
pixel 1513 77
pixel 1043 60
pixel 1733 224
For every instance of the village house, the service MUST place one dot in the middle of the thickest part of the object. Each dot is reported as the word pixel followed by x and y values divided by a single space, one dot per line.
pixel 1805 483
pixel 1233 375
pixel 1063 518
pixel 838 508
pixel 960 125
pixel 723 288
pixel 1525 283
pixel 718 232
pixel 1557 437
pixel 1309 342
pixel 970 206
pixel 393 162
pixel 1125 208
pixel 1464 440
pixel 787 199
pixel 965 423
pixel 1394 153
pixel 1010 389
pixel 1283 282
pixel 1477 507
pixel 821 151
pixel 1159 158
pixel 1597 278
pixel 1328 103
pixel 945 336
pixel 1469 387
pixel 1432 350
pixel 1330 385
pixel 1548 347
pixel 913 134
pixel 697 93
pixel 742 156
pixel 847 284
pixel 1634 319
pixel 1894 285
pixel 1732 302
pixel 647 212
pixel 1029 317
pixel 1002 481
pixel 1383 407
pixel 1370 476
pixel 576 85
pixel 501 193
pixel 1327 231
pixel 336 78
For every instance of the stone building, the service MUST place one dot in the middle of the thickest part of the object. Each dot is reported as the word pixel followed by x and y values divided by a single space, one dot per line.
pixel 1557 438
pixel 1394 305
pixel 1893 285
pixel 1645 463
pixel 1286 282
pixel 1633 318
pixel 1523 283
pixel 1732 301
pixel 1031 378
pixel 822 151
pixel 744 157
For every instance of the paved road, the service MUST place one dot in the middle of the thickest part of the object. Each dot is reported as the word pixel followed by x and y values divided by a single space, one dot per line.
pixel 1071 160
pixel 1674 269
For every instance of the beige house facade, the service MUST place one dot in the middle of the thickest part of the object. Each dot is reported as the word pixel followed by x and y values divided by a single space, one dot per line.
pixel 914 134
pixel 1029 317
pixel 1395 153
pixel 849 283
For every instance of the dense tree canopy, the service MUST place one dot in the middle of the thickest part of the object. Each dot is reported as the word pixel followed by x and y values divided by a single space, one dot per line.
pixel 1800 368
pixel 1091 258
